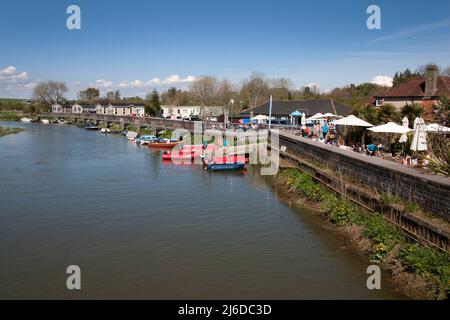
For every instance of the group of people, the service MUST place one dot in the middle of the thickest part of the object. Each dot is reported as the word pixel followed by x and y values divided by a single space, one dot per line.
pixel 327 133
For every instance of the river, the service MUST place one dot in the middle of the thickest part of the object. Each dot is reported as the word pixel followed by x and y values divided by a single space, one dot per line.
pixel 142 228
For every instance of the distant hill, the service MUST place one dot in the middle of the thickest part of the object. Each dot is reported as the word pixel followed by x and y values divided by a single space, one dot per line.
pixel 8 100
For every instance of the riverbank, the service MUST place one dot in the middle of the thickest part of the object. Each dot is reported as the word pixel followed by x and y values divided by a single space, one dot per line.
pixel 417 271
pixel 5 131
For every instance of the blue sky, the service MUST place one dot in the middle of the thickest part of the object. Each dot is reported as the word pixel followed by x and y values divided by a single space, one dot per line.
pixel 136 46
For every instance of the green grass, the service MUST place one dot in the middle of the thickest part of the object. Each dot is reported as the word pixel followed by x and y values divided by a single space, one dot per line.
pixel 417 258
pixel 11 100
pixel 5 131
pixel 10 115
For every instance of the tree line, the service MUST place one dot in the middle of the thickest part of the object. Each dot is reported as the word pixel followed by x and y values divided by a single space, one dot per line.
pixel 212 91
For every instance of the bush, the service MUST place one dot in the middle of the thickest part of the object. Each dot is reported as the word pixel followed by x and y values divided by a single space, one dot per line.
pixel 423 260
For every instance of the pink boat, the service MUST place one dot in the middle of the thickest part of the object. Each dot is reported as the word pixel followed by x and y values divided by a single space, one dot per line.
pixel 230 159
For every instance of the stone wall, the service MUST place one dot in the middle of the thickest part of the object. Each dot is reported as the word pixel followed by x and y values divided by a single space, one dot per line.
pixel 429 191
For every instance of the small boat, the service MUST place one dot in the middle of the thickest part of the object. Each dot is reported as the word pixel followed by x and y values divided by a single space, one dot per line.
pixel 180 156
pixel 45 121
pixel 105 130
pixel 25 119
pixel 230 159
pixel 146 139
pixel 163 144
pixel 62 121
pixel 131 135
pixel 224 166
pixel 91 127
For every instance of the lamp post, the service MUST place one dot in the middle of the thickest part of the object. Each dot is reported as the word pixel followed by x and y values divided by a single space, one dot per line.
pixel 231 113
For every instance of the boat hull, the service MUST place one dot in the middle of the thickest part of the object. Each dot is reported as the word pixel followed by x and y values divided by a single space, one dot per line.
pixel 163 145
pixel 225 166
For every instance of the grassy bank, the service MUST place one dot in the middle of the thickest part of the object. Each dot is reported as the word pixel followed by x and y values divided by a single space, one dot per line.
pixel 5 131
pixel 10 115
pixel 421 271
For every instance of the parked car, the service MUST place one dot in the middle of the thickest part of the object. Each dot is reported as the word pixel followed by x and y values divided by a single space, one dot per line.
pixel 281 122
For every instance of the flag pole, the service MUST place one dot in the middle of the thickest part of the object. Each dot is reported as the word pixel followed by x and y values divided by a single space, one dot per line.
pixel 270 112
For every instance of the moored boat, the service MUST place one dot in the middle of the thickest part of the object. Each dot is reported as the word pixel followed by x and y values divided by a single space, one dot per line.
pixel 178 156
pixel 224 166
pixel 105 130
pixel 25 119
pixel 163 144
pixel 230 159
pixel 89 126
pixel 146 139
pixel 131 135
pixel 45 121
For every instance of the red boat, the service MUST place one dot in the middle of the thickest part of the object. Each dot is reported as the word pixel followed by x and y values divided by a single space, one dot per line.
pixel 180 156
pixel 163 145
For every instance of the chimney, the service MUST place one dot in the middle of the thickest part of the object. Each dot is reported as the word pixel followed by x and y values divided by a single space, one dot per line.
pixel 431 80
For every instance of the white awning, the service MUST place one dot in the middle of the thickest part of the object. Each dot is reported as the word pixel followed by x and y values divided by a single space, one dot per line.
pixel 351 120
pixel 390 127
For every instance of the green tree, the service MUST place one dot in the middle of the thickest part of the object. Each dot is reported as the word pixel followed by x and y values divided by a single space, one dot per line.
pixel 412 111
pixel 153 103
pixel 401 77
pixel 388 113
pixel 89 95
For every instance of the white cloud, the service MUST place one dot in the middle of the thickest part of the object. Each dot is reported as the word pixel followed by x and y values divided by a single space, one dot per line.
pixel 314 87
pixel 409 32
pixel 170 80
pixel 382 81
pixel 100 83
pixel 8 70
pixel 10 75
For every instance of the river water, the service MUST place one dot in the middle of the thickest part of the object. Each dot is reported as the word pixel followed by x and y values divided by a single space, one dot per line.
pixel 142 228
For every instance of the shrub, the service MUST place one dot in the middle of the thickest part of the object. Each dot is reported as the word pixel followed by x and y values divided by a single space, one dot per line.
pixel 423 260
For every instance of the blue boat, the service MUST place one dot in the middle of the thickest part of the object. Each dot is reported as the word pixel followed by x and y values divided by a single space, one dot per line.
pixel 224 166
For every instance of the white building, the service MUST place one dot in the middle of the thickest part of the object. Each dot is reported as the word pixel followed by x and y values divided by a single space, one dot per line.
pixel 109 109
pixel 184 112
pixel 58 108
pixel 76 108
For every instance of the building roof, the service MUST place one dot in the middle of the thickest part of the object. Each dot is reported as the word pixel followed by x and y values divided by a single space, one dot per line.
pixel 310 107
pixel 415 87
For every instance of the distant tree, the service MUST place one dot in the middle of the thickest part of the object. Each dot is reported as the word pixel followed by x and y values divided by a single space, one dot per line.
pixel 117 95
pixel 280 88
pixel 153 103
pixel 388 113
pixel 49 92
pixel 406 75
pixel 422 70
pixel 226 92
pixel 368 113
pixel 89 95
pixel 254 90
pixel 446 72
pixel 206 89
pixel 110 95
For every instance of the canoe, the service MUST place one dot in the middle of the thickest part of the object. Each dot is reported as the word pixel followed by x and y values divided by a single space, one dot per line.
pixel 230 159
pixel 225 166
pixel 164 145
pixel 179 156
